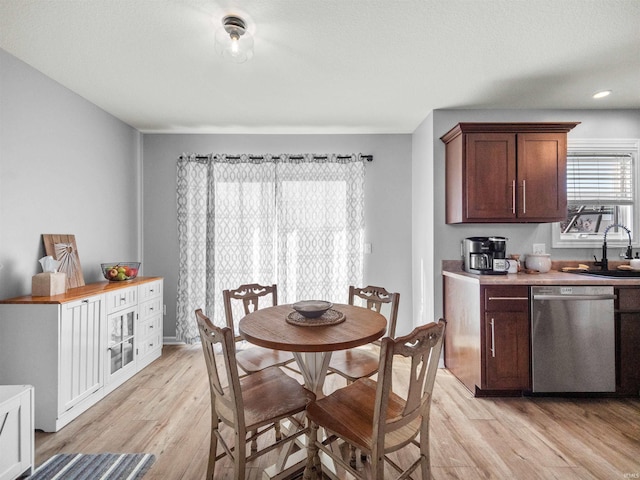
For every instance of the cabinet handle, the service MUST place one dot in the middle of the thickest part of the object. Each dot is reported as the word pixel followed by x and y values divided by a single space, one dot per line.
pixel 513 196
pixel 86 300
pixel 493 339
pixel 151 290
pixel 524 196
pixel 509 298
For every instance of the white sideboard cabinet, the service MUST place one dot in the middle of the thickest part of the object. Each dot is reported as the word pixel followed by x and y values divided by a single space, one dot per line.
pixel 16 431
pixel 77 347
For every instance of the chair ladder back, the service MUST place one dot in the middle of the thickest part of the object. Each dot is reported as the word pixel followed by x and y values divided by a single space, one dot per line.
pixel 226 402
pixel 250 295
pixel 383 390
pixel 375 298
pixel 422 347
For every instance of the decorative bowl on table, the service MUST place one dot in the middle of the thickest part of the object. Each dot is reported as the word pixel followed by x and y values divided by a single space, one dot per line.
pixel 120 271
pixel 312 308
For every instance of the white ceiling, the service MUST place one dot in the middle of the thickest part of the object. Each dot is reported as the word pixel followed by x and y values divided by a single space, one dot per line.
pixel 328 66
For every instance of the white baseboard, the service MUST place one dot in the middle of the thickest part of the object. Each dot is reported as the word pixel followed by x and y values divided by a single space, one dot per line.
pixel 171 341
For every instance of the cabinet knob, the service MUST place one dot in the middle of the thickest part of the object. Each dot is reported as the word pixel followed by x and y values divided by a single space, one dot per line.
pixel 86 300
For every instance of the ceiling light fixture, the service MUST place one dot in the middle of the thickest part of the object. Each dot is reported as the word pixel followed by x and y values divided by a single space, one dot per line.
pixel 602 94
pixel 233 41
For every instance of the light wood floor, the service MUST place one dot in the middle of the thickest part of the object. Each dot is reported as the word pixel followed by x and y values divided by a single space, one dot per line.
pixel 165 410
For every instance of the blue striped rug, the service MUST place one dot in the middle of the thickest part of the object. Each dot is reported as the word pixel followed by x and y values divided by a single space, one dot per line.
pixel 101 466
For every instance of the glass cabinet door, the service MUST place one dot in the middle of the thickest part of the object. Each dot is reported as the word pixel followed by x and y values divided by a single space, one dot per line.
pixel 121 339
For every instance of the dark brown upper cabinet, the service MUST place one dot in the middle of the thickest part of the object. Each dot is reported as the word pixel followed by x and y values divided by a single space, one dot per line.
pixel 506 172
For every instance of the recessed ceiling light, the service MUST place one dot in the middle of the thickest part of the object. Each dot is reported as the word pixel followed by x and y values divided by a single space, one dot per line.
pixel 602 94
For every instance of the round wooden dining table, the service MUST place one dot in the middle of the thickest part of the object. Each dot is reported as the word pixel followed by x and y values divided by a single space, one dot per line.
pixel 312 344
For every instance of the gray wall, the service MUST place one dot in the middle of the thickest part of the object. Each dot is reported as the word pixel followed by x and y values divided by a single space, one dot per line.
pixel 66 167
pixel 387 202
pixel 446 238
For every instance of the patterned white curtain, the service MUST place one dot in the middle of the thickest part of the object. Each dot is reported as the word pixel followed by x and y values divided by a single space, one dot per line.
pixel 193 210
pixel 297 221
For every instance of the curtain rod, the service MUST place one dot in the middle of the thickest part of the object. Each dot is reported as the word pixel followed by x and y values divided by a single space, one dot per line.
pixel 368 158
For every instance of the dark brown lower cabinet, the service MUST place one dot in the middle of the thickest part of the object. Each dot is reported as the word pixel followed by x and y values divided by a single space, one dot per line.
pixel 506 338
pixel 487 343
pixel 628 340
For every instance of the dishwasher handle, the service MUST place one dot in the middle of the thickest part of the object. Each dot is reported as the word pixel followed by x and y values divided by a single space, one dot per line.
pixel 574 297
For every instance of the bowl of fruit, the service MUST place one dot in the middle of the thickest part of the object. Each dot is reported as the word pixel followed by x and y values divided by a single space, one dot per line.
pixel 120 271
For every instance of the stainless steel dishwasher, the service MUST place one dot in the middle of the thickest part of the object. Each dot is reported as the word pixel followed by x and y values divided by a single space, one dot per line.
pixel 572 339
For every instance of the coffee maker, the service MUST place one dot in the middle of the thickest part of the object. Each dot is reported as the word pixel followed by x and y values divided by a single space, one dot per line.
pixel 485 255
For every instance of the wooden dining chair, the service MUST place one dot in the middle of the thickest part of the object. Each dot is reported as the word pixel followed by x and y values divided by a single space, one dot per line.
pixel 252 297
pixel 363 362
pixel 376 418
pixel 250 405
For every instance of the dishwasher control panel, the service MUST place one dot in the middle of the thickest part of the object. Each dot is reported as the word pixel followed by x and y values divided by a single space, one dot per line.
pixel 568 290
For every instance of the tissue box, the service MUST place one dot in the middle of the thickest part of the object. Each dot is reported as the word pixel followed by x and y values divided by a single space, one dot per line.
pixel 48 284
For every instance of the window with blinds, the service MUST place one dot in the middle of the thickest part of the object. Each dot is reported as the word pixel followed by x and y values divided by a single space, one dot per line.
pixel 602 183
pixel 600 179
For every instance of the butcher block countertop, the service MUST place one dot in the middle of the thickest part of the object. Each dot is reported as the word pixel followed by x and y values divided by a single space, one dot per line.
pixel 454 268
pixel 79 293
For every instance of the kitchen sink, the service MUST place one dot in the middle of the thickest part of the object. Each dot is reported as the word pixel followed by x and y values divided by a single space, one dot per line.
pixel 613 273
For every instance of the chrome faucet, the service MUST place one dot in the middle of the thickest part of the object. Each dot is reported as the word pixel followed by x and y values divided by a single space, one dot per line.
pixel 604 263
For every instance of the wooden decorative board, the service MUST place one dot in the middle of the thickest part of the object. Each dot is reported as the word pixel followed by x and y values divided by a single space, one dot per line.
pixel 63 248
